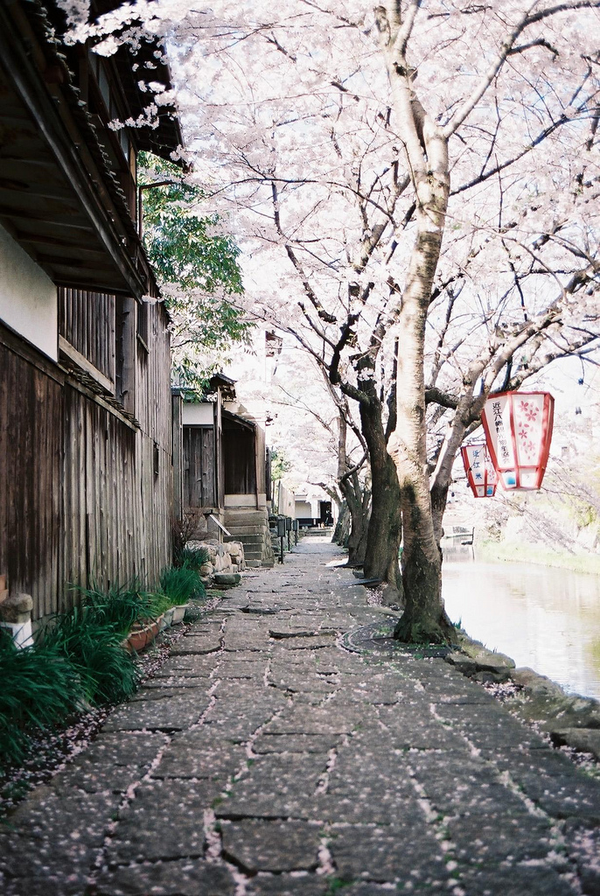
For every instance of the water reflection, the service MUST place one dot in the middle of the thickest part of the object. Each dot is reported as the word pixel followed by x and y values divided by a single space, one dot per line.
pixel 545 618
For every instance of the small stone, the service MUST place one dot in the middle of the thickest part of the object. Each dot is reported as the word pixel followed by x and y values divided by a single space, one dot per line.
pixel 17 608
pixel 536 684
pixel 496 664
pixel 228 579
pixel 584 740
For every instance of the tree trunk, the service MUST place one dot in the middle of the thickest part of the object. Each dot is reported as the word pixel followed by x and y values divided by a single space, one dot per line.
pixel 342 526
pixel 357 501
pixel 439 497
pixel 385 525
pixel 424 618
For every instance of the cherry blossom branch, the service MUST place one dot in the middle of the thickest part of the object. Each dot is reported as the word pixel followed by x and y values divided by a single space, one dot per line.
pixel 528 18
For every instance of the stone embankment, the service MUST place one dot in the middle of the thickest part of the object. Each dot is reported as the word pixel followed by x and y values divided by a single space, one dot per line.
pixel 265 759
pixel 569 720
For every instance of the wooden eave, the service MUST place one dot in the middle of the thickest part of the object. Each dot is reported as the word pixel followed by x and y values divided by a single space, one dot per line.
pixel 59 197
pixel 238 421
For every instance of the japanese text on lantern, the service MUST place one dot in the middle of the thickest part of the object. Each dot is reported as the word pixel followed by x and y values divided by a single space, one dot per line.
pixel 476 465
pixel 500 433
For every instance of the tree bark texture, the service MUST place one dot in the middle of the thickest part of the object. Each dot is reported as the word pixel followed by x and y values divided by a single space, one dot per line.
pixel 357 502
pixel 385 524
pixel 424 618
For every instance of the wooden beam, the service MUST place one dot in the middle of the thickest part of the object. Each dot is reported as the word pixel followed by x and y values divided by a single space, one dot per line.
pixel 44 240
pixel 67 349
pixel 27 217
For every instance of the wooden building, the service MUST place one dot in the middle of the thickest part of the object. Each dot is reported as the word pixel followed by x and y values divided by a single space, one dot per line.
pixel 226 472
pixel 85 407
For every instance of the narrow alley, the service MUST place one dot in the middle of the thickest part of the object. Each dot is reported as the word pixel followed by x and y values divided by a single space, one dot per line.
pixel 266 759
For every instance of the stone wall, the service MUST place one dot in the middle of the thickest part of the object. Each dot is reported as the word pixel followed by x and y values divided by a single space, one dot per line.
pixel 223 559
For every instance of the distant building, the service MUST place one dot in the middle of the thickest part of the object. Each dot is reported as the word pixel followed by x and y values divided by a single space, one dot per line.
pixel 226 472
pixel 313 507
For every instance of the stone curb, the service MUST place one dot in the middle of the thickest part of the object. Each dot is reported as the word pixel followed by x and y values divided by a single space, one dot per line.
pixel 568 719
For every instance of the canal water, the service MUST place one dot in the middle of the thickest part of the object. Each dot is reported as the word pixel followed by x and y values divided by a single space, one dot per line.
pixel 544 618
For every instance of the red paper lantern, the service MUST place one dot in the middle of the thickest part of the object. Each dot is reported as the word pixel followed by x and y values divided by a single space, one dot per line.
pixel 479 468
pixel 518 429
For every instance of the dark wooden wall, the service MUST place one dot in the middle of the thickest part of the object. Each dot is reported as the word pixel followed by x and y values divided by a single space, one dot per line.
pixel 199 467
pixel 240 459
pixel 31 410
pixel 85 493
pixel 92 335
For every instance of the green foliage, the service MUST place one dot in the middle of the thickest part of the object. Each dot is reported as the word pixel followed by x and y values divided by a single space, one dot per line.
pixel 585 514
pixel 183 246
pixel 197 267
pixel 279 464
pixel 119 607
pixel 181 584
pixel 202 324
pixel 335 884
pixel 40 688
pixel 79 659
pixel 183 242
pixel 193 558
pixel 108 673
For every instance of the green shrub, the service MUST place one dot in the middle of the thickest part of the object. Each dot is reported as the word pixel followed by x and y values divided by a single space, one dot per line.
pixel 118 607
pixel 109 673
pixel 193 558
pixel 160 603
pixel 181 584
pixel 39 688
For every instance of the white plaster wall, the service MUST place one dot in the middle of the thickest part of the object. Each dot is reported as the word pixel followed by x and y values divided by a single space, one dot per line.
pixel 198 414
pixel 28 297
pixel 304 510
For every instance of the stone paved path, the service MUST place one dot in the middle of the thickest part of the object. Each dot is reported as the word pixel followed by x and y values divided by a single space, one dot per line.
pixel 266 760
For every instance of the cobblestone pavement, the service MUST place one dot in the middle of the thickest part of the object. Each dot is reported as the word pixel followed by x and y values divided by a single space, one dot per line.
pixel 266 760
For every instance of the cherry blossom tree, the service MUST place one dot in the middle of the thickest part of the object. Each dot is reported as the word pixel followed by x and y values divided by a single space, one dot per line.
pixel 422 174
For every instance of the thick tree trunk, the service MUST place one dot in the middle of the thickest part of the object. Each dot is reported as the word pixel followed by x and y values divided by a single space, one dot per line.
pixel 385 525
pixel 424 618
pixel 358 505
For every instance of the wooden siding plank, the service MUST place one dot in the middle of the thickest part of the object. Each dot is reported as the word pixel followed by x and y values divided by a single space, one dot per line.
pixel 79 495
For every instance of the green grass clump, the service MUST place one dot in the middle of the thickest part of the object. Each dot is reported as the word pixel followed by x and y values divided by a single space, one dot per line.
pixel 181 584
pixel 193 558
pixel 39 689
pixel 119 607
pixel 108 672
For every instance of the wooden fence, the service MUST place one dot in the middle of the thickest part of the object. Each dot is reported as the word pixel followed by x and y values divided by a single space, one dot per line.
pixel 86 493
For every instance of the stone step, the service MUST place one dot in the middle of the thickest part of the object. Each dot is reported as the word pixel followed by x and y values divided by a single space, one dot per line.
pixel 245 533
pixel 255 516
pixel 255 555
pixel 251 528
pixel 258 538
